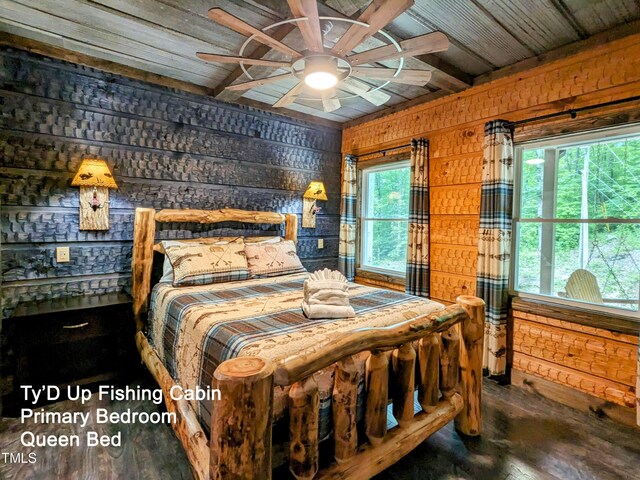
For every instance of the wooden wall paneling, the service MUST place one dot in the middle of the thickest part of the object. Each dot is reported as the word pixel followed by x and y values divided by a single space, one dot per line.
pixel 600 357
pixel 623 329
pixel 570 82
pixel 455 229
pixel 599 387
pixel 167 148
pixel 448 287
pixel 455 199
pixel 455 170
pixel 454 259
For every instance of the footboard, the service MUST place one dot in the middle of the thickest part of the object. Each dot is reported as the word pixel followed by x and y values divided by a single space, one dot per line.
pixel 446 368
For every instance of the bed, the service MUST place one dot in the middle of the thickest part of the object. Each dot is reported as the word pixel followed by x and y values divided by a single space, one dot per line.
pixel 321 379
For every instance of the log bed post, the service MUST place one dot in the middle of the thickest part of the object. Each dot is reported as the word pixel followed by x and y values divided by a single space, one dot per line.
pixel 429 372
pixel 404 371
pixel 345 396
pixel 449 361
pixel 304 411
pixel 144 230
pixel 291 227
pixel 377 398
pixel 241 420
pixel 469 420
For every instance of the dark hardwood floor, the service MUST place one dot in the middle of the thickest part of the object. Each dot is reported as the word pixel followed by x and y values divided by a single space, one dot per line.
pixel 525 437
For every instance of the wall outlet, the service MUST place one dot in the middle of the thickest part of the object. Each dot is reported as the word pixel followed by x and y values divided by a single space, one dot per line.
pixel 321 243
pixel 62 254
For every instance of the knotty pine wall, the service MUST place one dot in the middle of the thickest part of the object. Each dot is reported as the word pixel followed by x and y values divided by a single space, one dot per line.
pixel 167 149
pixel 454 126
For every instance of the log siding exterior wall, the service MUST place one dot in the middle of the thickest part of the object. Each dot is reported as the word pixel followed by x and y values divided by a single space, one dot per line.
pixel 167 149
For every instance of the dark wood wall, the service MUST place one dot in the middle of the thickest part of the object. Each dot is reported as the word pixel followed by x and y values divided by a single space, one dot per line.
pixel 167 149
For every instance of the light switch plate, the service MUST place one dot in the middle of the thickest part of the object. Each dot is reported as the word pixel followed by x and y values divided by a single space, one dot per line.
pixel 62 254
pixel 321 243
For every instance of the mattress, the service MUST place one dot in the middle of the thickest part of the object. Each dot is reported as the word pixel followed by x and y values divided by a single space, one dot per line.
pixel 194 329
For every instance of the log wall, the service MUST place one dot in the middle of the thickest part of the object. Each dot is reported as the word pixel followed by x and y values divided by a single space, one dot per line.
pixel 167 149
pixel 454 126
pixel 592 360
pixel 595 361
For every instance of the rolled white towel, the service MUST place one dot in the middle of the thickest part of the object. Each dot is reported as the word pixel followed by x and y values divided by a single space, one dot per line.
pixel 328 297
pixel 313 286
pixel 327 311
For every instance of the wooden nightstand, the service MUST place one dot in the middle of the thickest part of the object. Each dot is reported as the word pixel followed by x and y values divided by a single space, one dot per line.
pixel 83 341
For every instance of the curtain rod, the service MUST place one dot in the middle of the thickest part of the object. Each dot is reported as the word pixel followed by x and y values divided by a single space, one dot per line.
pixel 573 112
pixel 384 150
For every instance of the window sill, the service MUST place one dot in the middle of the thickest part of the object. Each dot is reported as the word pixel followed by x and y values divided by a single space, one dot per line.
pixel 582 316
pixel 395 280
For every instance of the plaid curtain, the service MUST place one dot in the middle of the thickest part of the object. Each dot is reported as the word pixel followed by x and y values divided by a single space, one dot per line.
pixel 347 247
pixel 494 246
pixel 417 281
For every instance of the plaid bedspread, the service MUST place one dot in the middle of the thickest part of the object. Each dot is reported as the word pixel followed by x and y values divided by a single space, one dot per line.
pixel 194 329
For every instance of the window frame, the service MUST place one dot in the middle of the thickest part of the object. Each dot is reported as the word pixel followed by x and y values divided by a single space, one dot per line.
pixel 363 172
pixel 573 139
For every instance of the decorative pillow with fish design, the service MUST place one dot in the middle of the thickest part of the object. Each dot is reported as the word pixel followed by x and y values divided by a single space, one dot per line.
pixel 202 264
pixel 271 260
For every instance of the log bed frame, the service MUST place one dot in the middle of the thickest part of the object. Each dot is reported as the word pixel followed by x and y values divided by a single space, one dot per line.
pixel 448 357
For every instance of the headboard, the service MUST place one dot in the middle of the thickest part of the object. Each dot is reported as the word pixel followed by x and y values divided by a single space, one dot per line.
pixel 144 230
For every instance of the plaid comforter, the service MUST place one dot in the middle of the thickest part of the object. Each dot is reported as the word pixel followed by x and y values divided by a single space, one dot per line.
pixel 194 329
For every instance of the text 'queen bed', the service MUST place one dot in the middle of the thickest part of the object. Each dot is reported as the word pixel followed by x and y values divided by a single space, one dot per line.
pixel 333 378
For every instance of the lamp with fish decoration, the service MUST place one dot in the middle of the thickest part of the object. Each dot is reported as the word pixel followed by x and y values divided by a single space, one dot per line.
pixel 94 180
pixel 315 191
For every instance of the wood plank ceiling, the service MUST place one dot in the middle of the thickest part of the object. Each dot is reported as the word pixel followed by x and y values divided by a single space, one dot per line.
pixel 162 37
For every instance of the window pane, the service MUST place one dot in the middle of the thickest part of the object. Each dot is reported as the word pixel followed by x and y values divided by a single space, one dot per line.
pixel 608 251
pixel 385 244
pixel 531 187
pixel 529 258
pixel 593 180
pixel 612 184
pixel 580 179
pixel 388 193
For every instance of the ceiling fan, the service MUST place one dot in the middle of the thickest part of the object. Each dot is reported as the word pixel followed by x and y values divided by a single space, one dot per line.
pixel 326 70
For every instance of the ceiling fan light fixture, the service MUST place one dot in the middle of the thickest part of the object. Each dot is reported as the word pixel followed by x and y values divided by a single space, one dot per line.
pixel 321 72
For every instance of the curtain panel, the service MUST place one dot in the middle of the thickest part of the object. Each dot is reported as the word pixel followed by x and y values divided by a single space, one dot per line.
pixel 347 244
pixel 418 274
pixel 494 245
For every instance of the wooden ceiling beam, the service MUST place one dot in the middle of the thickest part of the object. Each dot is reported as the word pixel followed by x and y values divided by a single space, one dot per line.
pixel 445 76
pixel 570 18
pixel 562 52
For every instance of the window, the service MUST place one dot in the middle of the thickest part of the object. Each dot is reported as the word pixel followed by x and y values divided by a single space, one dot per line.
pixel 384 218
pixel 577 219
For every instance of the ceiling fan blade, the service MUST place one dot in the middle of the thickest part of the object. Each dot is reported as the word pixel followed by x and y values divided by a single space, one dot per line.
pixel 259 82
pixel 290 96
pixel 429 43
pixel 214 57
pixel 377 15
pixel 329 102
pixel 310 28
pixel 409 77
pixel 234 23
pixel 362 89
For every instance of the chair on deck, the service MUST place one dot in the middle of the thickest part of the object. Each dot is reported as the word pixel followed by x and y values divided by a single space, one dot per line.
pixel 583 285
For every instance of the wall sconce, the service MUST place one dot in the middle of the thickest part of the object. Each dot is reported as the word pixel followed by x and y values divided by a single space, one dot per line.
pixel 94 180
pixel 315 191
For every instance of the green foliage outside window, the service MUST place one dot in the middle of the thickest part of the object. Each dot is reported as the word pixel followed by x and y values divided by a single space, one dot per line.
pixel 612 191
pixel 385 218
